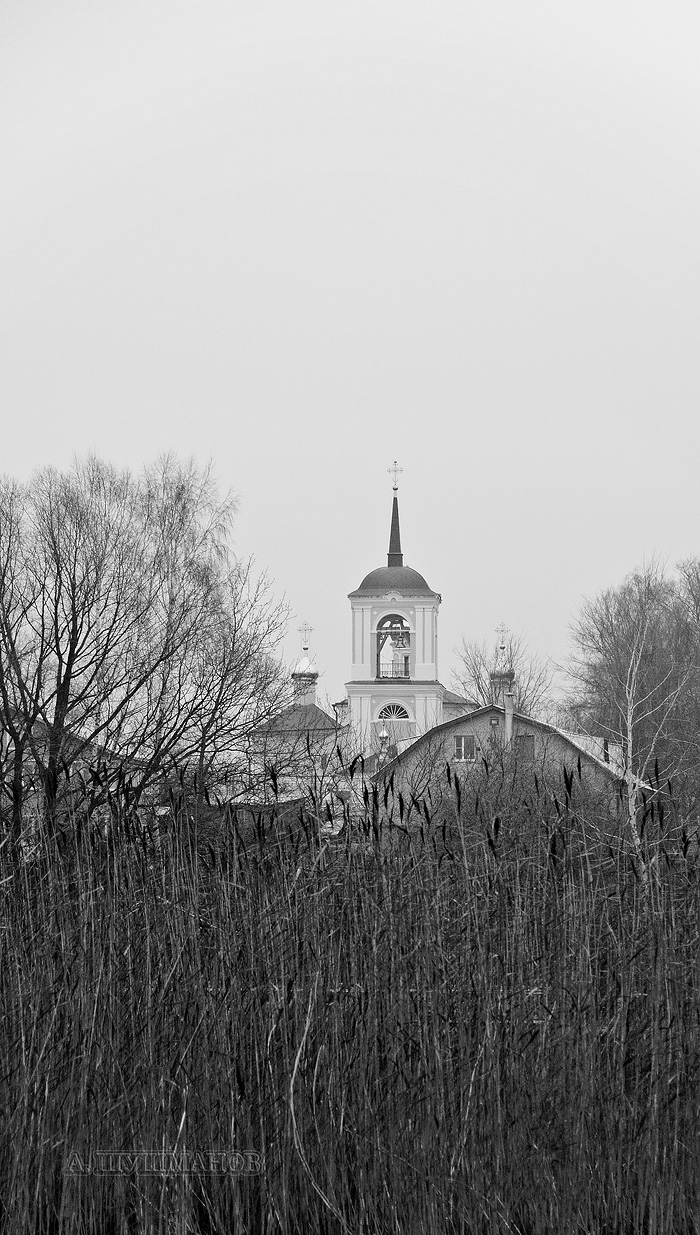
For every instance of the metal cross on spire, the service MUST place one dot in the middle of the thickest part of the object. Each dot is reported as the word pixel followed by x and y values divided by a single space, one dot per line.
pixel 502 630
pixel 394 471
pixel 305 631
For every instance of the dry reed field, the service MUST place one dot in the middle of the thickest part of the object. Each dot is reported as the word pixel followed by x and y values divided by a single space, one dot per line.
pixel 476 1022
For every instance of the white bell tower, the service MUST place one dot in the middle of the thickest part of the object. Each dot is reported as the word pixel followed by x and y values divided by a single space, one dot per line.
pixel 394 692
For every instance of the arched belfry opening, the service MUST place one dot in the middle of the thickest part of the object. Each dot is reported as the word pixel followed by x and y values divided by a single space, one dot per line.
pixel 393 641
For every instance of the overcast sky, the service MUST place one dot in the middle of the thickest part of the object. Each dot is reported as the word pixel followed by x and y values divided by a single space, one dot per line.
pixel 304 239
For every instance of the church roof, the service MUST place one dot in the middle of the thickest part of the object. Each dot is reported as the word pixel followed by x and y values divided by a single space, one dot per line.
pixel 392 579
pixel 301 718
pixel 395 557
pixel 304 668
pixel 451 697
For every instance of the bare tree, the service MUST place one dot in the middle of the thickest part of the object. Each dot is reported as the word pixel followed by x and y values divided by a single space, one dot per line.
pixel 533 676
pixel 21 663
pixel 634 673
pixel 237 677
pixel 115 591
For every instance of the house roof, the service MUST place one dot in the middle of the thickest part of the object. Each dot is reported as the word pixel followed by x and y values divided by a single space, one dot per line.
pixel 73 743
pixel 494 709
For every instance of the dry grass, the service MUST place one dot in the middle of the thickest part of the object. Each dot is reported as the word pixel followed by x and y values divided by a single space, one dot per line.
pixel 476 1029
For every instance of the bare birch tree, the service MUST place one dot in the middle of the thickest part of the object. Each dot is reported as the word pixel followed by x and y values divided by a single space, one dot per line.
pixel 634 672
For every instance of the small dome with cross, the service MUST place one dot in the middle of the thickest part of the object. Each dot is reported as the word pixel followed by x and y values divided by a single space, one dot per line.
pixel 304 668
pixel 304 674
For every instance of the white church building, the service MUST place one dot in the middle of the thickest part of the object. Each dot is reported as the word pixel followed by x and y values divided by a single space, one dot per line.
pixel 394 694
pixel 396 712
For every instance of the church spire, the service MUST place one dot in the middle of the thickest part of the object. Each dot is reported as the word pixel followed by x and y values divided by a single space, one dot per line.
pixel 395 556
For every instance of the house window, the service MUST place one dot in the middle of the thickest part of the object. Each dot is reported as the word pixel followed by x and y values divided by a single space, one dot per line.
pixel 525 747
pixel 465 748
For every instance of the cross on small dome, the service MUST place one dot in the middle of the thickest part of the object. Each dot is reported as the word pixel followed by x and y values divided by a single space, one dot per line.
pixel 305 630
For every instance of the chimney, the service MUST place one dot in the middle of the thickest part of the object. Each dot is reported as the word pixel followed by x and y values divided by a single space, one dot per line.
pixel 509 701
pixel 503 695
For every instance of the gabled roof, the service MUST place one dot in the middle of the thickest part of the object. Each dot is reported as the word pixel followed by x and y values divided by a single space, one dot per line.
pixel 74 743
pixel 494 709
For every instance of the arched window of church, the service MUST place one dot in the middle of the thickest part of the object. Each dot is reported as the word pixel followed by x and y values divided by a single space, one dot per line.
pixel 393 711
pixel 393 647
